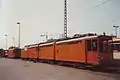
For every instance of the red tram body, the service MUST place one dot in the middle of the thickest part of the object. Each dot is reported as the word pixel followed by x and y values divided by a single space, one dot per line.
pixel 11 53
pixel 5 54
pixel 14 53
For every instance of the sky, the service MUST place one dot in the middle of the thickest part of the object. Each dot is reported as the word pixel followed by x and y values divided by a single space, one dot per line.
pixel 40 16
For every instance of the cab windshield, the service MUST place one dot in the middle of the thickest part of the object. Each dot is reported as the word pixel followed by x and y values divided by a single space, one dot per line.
pixel 116 46
pixel 104 46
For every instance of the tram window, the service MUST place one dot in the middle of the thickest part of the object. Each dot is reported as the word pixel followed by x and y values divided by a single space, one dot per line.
pixel 88 45
pixel 94 45
pixel 105 46
pixel 112 46
pixel 118 47
pixel 101 45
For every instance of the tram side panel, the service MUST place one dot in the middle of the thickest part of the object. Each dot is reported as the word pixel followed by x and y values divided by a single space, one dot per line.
pixel 46 51
pixel 32 53
pixel 73 51
pixel 24 54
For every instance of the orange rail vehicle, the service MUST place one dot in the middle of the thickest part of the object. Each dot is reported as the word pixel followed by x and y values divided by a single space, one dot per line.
pixel 89 50
pixel 46 52
pixel 24 55
pixel 32 52
pixel 93 50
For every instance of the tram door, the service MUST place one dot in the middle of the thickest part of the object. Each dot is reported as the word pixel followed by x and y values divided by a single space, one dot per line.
pixel 91 51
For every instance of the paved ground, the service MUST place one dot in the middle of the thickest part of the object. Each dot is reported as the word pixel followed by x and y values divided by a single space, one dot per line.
pixel 11 69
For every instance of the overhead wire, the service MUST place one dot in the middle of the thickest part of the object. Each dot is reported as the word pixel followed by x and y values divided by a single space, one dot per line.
pixel 96 6
pixel 102 3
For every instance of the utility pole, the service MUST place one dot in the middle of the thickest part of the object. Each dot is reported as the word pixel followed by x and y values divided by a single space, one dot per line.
pixel 116 27
pixel 65 18
pixel 46 36
pixel 6 41
pixel 13 41
pixel 19 35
